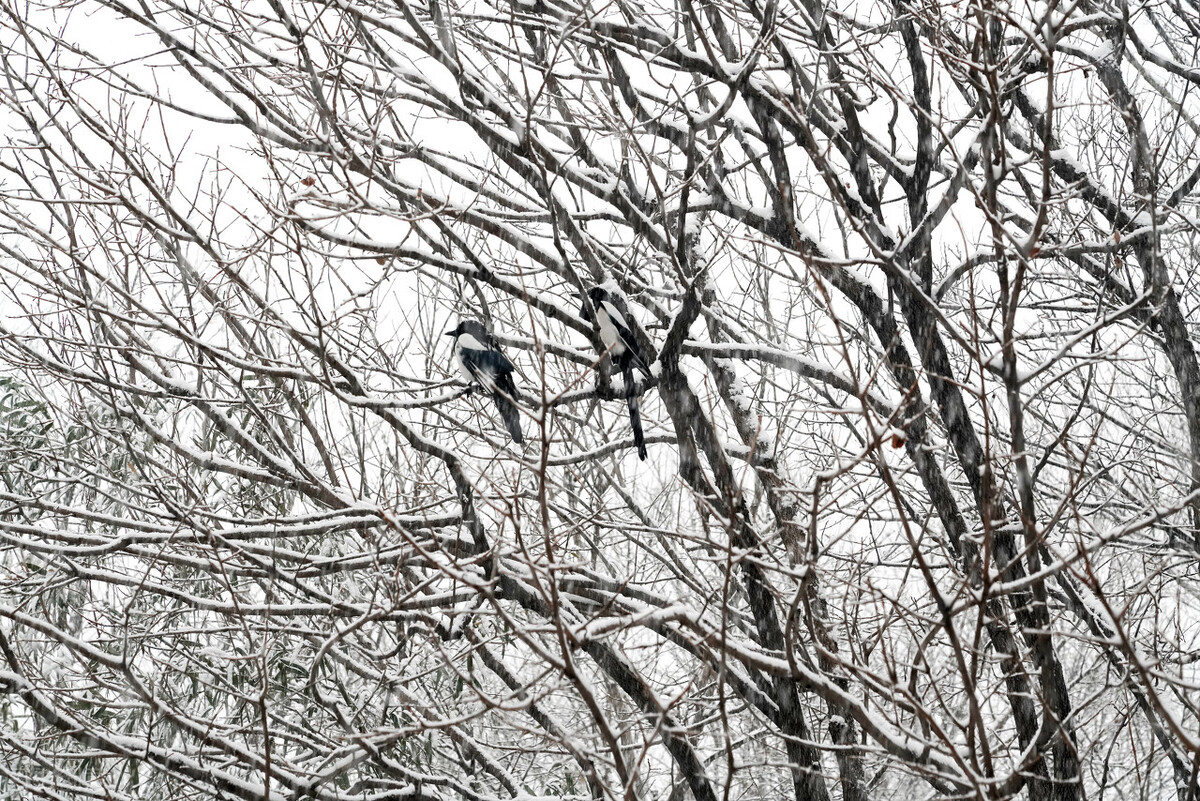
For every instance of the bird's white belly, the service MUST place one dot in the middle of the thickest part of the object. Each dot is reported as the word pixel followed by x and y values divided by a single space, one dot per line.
pixel 484 377
pixel 610 336
pixel 468 376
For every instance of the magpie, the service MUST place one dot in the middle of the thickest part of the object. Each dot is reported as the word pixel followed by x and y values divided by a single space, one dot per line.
pixel 481 362
pixel 612 318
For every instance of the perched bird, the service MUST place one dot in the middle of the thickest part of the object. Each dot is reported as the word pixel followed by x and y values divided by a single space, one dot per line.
pixel 481 362
pixel 612 318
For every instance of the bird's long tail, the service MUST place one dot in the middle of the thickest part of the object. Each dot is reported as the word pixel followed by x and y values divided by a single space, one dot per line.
pixel 635 414
pixel 505 391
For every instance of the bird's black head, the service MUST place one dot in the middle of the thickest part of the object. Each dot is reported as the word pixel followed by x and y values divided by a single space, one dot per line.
pixel 472 327
pixel 596 295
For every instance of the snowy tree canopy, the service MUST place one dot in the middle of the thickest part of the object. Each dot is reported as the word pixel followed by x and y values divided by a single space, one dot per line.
pixel 920 516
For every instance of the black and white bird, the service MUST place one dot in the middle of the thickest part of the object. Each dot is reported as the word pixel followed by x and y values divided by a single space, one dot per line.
pixel 481 361
pixel 612 318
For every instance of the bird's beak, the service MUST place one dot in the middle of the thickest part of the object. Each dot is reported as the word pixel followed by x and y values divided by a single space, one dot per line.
pixel 451 333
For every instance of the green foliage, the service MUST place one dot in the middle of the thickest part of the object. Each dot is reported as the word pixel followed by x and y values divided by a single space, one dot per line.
pixel 25 423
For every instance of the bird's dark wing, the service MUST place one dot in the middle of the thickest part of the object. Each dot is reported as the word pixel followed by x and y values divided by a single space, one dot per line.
pixel 492 361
